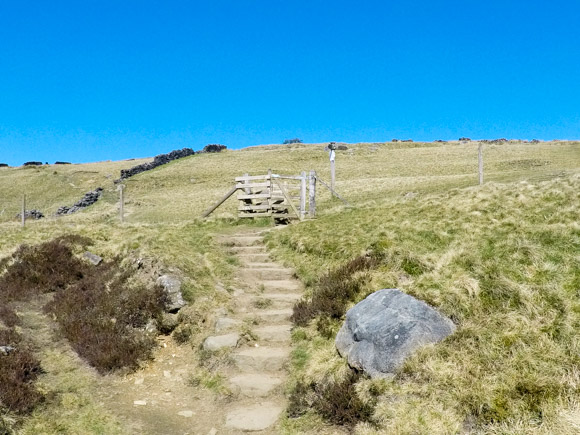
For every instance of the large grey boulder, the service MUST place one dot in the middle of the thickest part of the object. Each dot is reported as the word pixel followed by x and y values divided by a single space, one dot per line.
pixel 381 331
pixel 172 286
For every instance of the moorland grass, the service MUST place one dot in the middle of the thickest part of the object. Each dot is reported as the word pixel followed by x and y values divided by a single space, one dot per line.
pixel 414 202
pixel 502 262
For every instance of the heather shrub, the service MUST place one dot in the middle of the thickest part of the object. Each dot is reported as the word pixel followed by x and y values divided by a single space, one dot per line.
pixel 18 372
pixel 335 400
pixel 334 291
pixel 104 317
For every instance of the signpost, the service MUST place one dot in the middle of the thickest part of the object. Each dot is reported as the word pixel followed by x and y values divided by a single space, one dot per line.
pixel 332 155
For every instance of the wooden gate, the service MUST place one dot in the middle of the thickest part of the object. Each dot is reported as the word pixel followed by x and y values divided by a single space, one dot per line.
pixel 272 195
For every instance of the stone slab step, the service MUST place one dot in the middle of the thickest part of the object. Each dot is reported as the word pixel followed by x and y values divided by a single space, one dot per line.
pixel 262 265
pixel 282 286
pixel 245 250
pixel 253 418
pixel 273 333
pixel 256 257
pixel 280 300
pixel 226 324
pixel 254 385
pixel 275 315
pixel 221 342
pixel 271 274
pixel 261 359
pixel 242 240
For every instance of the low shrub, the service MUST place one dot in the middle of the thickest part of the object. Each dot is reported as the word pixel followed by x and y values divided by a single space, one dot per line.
pixel 337 402
pixel 334 291
pixel 104 317
pixel 19 369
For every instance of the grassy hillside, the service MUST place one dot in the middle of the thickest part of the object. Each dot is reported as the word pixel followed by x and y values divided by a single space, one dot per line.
pixel 501 260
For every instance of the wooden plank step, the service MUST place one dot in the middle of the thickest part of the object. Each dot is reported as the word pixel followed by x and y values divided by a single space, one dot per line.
pixel 252 177
pixel 253 195
pixel 254 215
pixel 252 185
pixel 254 207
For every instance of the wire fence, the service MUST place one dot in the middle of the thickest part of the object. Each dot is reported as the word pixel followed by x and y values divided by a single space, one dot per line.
pixel 365 172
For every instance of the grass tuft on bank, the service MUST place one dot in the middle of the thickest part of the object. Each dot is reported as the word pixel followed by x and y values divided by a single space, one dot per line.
pixel 502 262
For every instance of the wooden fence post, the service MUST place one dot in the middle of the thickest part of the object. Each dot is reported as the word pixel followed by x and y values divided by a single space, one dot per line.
pixel 480 161
pixel 23 210
pixel 332 175
pixel 122 202
pixel 312 194
pixel 303 195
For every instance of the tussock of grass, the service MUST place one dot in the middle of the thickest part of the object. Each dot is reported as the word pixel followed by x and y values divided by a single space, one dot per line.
pixel 502 262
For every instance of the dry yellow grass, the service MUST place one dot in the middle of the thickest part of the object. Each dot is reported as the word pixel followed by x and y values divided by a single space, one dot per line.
pixel 446 223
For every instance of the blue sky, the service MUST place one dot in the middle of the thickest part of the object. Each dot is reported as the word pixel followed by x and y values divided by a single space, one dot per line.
pixel 96 79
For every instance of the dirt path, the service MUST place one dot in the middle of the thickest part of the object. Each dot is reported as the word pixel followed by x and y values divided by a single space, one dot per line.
pixel 159 399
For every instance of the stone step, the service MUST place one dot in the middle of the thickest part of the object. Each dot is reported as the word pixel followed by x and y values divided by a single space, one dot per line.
pixel 261 359
pixel 262 265
pixel 273 333
pixel 257 257
pixel 254 385
pixel 271 274
pixel 242 240
pixel 226 324
pixel 245 250
pixel 218 342
pixel 280 300
pixel 253 418
pixel 282 286
pixel 275 315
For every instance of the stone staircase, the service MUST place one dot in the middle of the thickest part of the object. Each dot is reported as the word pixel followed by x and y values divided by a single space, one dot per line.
pixel 258 372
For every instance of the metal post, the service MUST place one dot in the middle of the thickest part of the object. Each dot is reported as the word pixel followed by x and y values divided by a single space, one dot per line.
pixel 312 194
pixel 480 161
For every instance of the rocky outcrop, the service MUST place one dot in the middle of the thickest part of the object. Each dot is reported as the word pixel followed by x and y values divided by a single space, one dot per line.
pixel 62 163
pixel 381 331
pixel 32 164
pixel 494 141
pixel 172 286
pixel 31 214
pixel 89 199
pixel 213 148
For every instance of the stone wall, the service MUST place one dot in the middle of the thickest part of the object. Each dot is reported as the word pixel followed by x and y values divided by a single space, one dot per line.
pixel 89 199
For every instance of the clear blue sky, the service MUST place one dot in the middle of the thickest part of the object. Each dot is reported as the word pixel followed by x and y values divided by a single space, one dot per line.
pixel 100 79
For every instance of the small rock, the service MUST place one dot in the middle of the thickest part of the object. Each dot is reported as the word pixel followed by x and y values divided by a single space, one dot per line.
pixel 166 373
pixel 221 342
pixel 93 258
pixel 213 431
pixel 186 414
pixel 172 286
pixel 139 402
pixel 139 381
pixel 6 350
pixel 168 322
